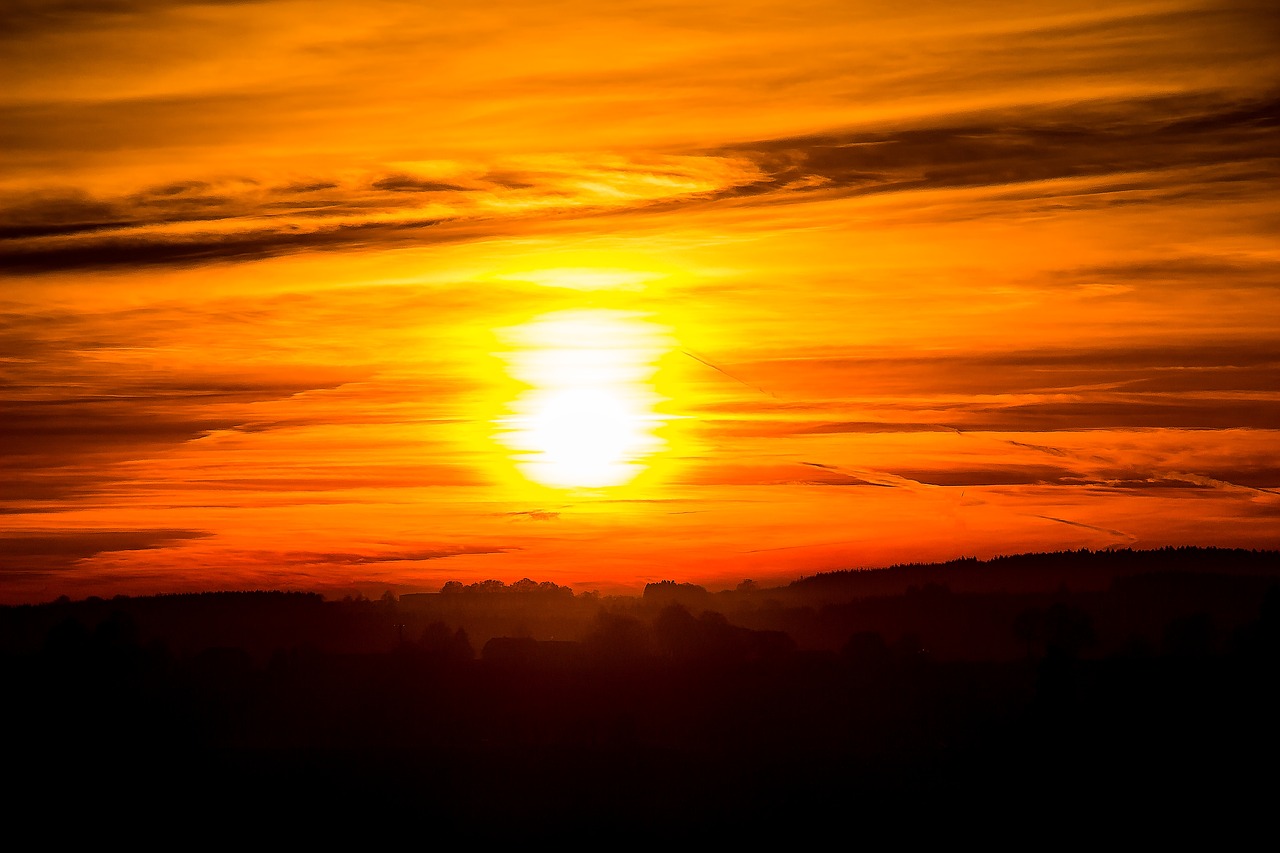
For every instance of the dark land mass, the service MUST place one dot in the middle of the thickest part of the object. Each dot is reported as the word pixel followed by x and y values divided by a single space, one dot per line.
pixel 1032 697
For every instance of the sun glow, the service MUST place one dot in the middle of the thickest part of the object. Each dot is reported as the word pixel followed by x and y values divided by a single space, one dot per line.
pixel 588 415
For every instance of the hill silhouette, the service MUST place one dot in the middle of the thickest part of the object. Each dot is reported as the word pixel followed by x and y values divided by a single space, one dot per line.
pixel 1120 682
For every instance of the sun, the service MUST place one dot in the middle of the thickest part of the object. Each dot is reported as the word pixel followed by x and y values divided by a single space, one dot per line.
pixel 588 416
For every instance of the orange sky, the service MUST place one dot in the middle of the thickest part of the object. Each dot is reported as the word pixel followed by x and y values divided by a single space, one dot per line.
pixel 297 295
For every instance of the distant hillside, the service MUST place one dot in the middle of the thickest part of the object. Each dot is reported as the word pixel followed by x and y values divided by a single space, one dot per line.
pixel 495 705
pixel 963 608
pixel 1077 571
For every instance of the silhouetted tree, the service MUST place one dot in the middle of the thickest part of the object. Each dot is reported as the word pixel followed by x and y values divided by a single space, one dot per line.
pixel 620 638
pixel 511 651
pixel 435 638
pixel 1058 629
pixel 675 631
pixel 866 648
pixel 446 646
pixel 460 648
pixel 688 594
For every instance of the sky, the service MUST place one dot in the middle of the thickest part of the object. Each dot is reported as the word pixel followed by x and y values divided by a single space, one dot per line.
pixel 352 297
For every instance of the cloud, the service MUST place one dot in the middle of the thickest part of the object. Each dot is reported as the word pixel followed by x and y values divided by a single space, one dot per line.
pixel 353 558
pixel 62 212
pixel 1192 385
pixel 1082 411
pixel 870 427
pixel 535 514
pixel 83 393
pixel 1239 481
pixel 401 183
pixel 26 18
pixel 1120 533
pixel 307 187
pixel 1086 140
pixel 1202 272
pixel 1005 475
pixel 833 476
pixel 44 552
pixel 1151 145
pixel 1129 412
pixel 64 449
pixel 1052 451
pixel 187 223
pixel 143 251
pixel 1136 485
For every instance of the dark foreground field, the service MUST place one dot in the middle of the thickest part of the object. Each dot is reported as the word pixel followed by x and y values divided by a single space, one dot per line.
pixel 1036 697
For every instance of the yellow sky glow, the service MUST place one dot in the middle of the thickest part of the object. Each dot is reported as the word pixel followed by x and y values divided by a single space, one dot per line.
pixel 355 298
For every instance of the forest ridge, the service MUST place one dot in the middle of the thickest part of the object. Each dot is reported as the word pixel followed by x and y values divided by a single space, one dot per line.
pixel 491 707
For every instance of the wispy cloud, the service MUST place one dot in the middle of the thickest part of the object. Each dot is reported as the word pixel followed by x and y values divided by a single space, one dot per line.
pixel 58 228
pixel 29 554
pixel 1118 533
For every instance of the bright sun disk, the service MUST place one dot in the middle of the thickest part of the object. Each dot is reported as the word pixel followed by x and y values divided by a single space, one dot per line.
pixel 588 418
